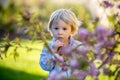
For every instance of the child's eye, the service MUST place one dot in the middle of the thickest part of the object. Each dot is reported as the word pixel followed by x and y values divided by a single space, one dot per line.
pixel 56 28
pixel 64 28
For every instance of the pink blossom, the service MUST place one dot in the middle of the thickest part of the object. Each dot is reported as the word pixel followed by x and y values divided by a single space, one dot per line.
pixel 102 33
pixel 83 34
pixel 57 76
pixel 80 74
pixel 61 76
pixel 105 69
pixel 107 4
pixel 66 50
pixel 74 63
pixel 118 6
pixel 109 43
pixel 93 70
pixel 52 76
pixel 83 49
pixel 97 47
pixel 64 67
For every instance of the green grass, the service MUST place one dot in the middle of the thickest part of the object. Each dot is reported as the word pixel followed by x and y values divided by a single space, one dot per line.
pixel 25 67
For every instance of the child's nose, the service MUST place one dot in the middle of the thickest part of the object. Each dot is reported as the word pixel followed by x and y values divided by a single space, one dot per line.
pixel 60 32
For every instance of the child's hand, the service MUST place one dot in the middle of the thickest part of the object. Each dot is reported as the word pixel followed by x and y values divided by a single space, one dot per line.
pixel 58 44
pixel 59 58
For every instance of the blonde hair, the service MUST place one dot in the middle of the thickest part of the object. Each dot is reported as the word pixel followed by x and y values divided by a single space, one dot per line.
pixel 65 15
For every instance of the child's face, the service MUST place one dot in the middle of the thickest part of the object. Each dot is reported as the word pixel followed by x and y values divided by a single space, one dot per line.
pixel 61 31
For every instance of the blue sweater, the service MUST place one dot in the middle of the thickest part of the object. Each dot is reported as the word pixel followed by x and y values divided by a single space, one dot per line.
pixel 46 58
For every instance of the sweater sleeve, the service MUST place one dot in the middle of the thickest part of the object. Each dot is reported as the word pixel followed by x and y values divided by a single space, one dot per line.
pixel 46 60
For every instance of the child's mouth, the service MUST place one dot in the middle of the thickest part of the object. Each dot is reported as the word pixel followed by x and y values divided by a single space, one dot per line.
pixel 60 39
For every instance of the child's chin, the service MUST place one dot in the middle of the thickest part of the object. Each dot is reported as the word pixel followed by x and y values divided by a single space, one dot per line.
pixel 60 39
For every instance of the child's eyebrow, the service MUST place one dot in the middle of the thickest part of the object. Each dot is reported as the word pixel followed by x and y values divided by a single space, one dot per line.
pixel 57 26
pixel 65 27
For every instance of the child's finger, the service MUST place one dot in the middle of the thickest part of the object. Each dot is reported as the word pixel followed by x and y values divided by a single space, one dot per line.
pixel 59 42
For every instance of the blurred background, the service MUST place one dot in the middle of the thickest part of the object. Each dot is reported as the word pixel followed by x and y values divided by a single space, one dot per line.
pixel 21 21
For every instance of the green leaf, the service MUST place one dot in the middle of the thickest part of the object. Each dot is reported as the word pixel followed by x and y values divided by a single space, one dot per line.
pixel 83 64
pixel 111 19
pixel 7 46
